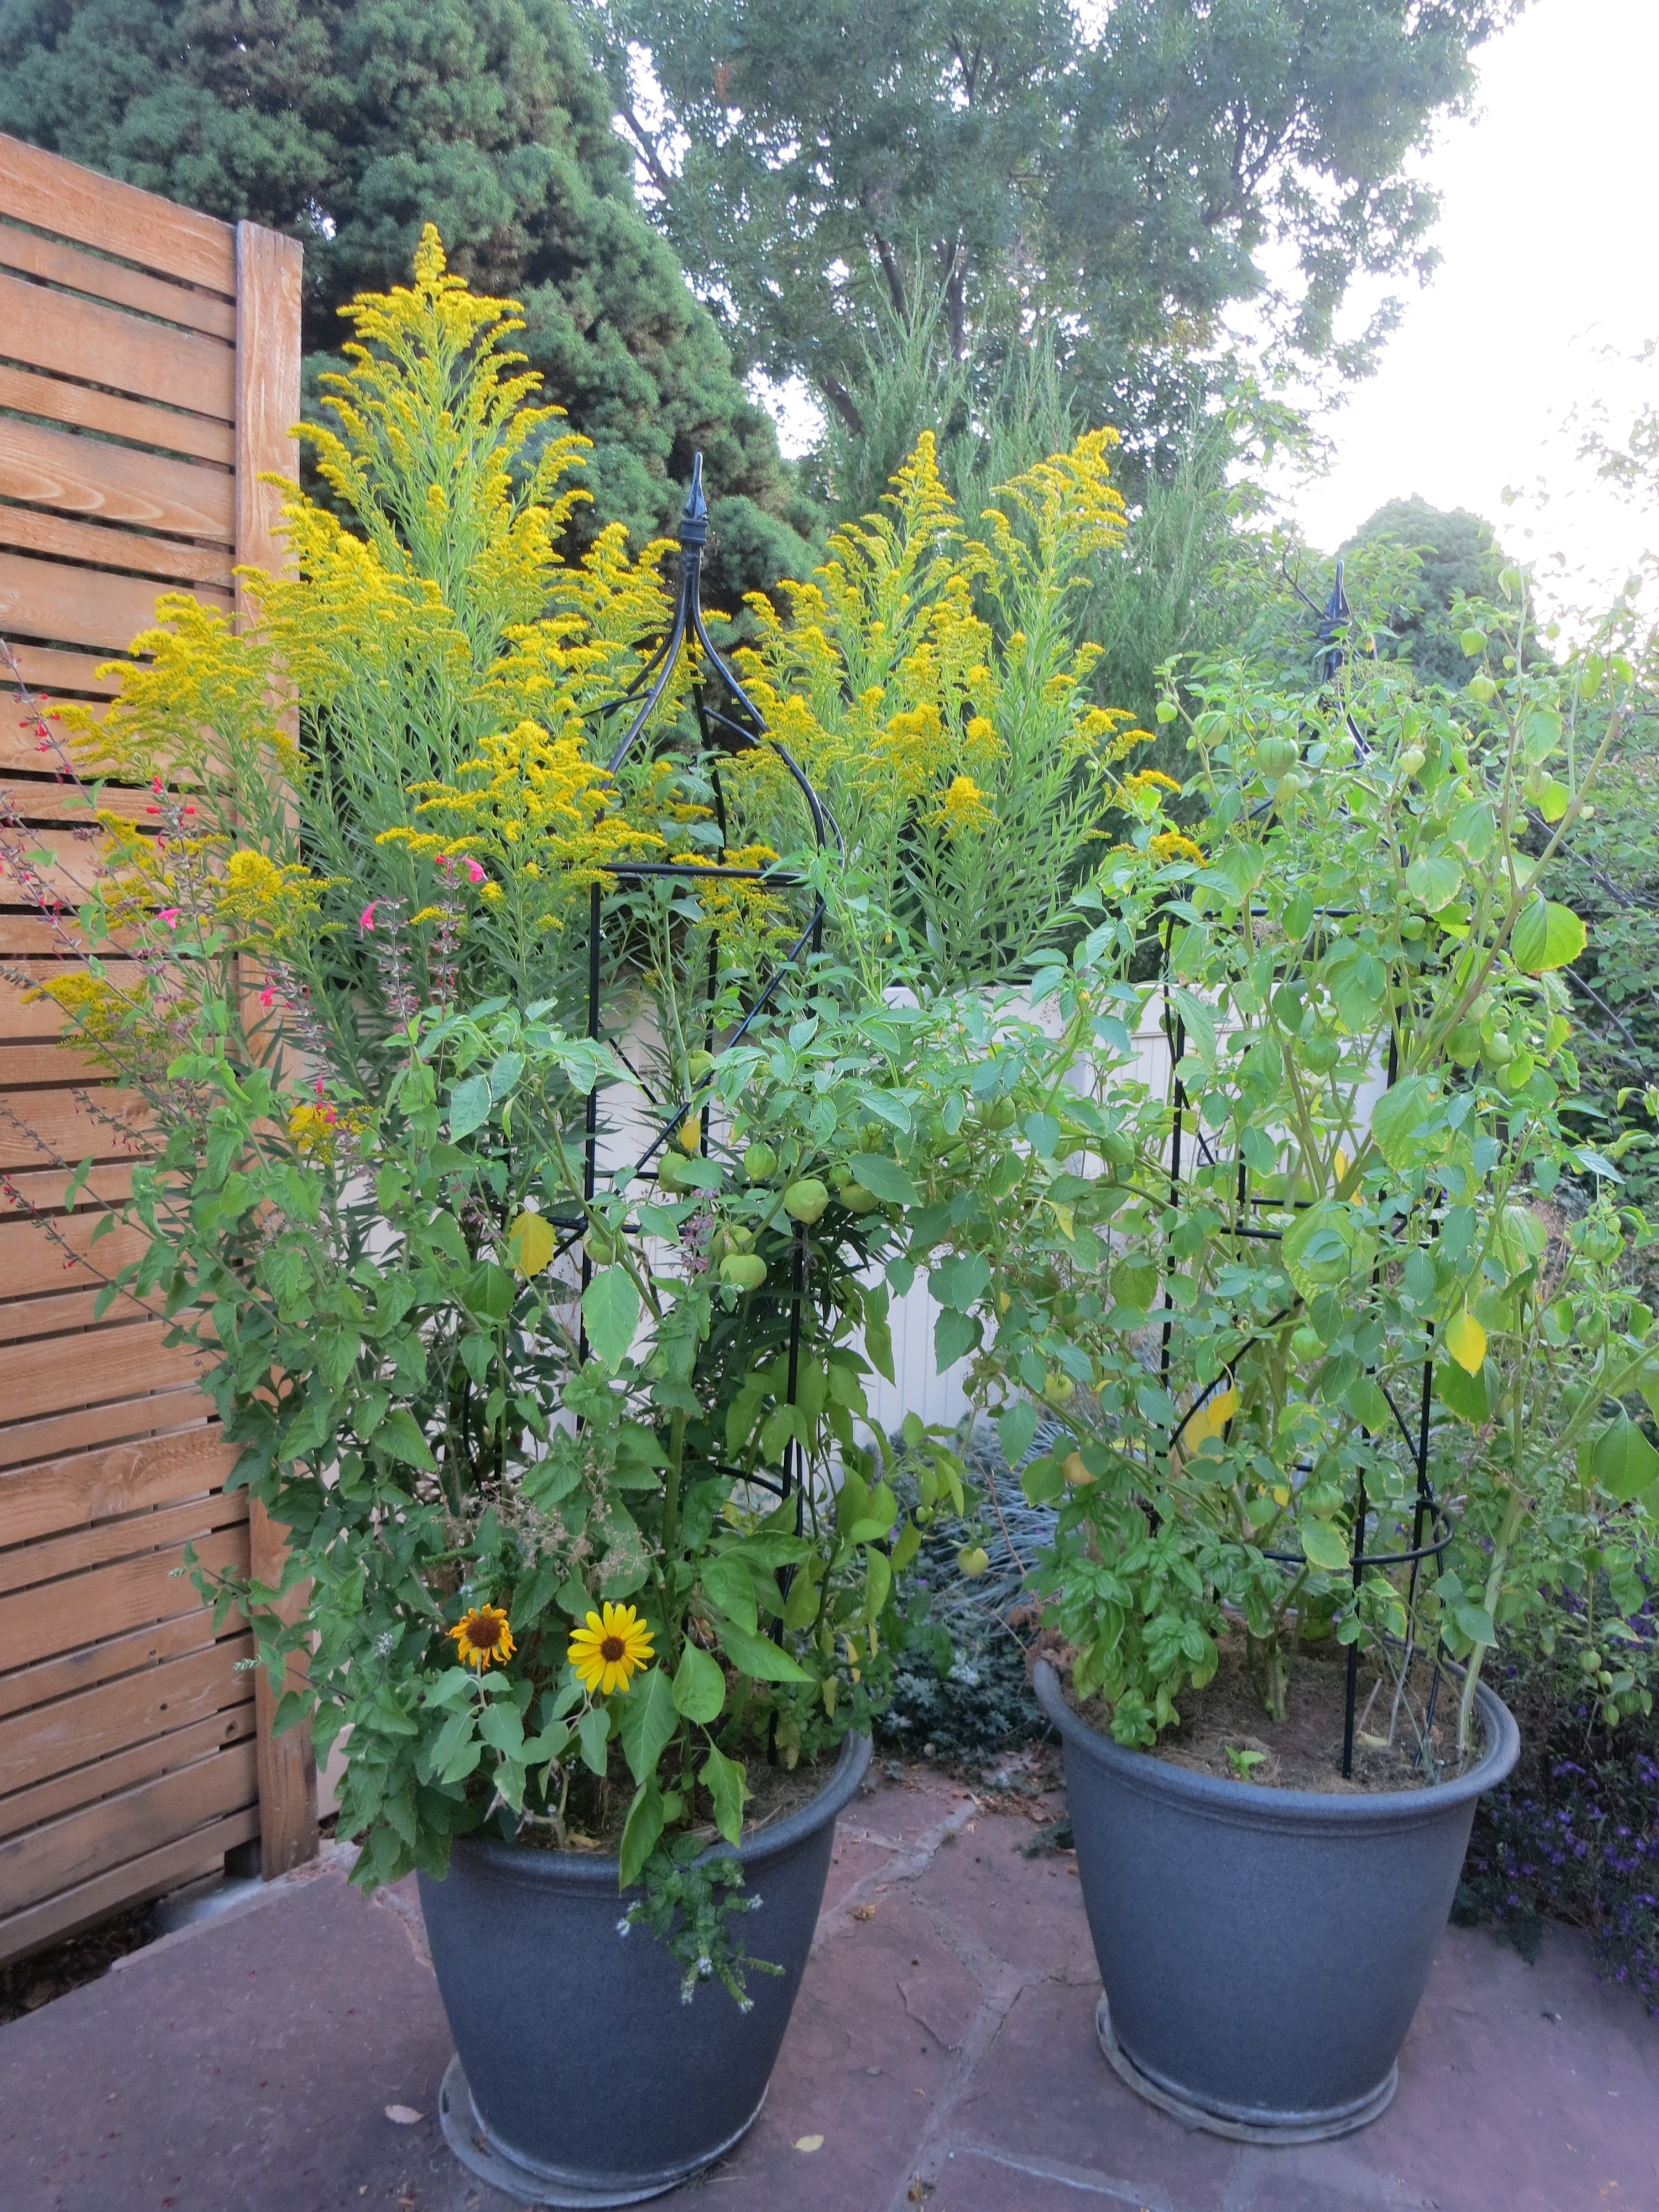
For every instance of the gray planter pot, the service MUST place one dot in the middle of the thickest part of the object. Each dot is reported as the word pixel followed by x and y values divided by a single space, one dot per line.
pixel 580 2078
pixel 1263 1951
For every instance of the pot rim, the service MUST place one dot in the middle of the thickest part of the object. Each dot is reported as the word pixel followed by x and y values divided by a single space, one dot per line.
pixel 1220 1797
pixel 603 1870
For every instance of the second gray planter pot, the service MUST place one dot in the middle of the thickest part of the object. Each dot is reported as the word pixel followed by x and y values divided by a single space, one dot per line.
pixel 579 2077
pixel 1262 1951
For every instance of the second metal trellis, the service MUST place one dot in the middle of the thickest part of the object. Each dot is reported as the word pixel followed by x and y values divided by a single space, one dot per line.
pixel 1429 1516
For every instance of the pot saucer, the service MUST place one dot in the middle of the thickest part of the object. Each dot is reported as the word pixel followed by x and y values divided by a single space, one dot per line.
pixel 467 2136
pixel 1278 2130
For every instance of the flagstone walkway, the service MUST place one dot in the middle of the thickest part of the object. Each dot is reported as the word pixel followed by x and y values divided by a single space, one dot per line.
pixel 942 2054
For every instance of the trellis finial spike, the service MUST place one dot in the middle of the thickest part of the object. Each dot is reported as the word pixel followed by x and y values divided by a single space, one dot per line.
pixel 694 518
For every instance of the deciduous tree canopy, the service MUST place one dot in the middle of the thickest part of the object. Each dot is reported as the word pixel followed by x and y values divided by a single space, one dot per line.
pixel 1119 173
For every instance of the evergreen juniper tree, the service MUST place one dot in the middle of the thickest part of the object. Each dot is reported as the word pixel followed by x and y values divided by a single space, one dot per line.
pixel 351 122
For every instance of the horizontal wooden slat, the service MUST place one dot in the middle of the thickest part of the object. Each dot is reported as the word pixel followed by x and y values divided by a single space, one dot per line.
pixel 58 799
pixel 42 1189
pixel 32 1258
pixel 72 202
pixel 80 1550
pixel 97 1725
pixel 56 331
pixel 108 1600
pixel 139 1819
pixel 25 1064
pixel 22 1319
pixel 118 1360
pixel 91 478
pixel 59 864
pixel 20 747
pixel 26 530
pixel 86 1785
pixel 94 1487
pixel 60 674
pixel 82 271
pixel 93 1724
pixel 40 1018
pixel 58 1130
pixel 128 1420
pixel 113 1659
pixel 159 429
pixel 66 605
pixel 130 1883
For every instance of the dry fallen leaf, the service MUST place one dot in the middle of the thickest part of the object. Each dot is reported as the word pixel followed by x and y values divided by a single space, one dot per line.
pixel 404 2115
pixel 864 1912
pixel 809 2142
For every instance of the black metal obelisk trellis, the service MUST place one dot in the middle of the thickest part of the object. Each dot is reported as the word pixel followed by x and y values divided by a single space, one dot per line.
pixel 728 723
pixel 1429 1516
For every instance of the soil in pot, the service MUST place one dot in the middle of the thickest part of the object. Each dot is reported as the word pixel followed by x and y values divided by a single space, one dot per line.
pixel 1225 1731
pixel 595 1812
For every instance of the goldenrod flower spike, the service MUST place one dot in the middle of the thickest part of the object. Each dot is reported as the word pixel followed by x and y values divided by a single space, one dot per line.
pixel 609 1649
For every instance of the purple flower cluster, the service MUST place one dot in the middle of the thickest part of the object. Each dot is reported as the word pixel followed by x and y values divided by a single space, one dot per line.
pixel 1575 1836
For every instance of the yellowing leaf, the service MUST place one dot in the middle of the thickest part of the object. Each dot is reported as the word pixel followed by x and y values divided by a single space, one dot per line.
pixel 1210 1419
pixel 809 2142
pixel 530 1243
pixel 1466 1340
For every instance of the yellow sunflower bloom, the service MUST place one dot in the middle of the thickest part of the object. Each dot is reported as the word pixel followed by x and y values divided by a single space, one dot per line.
pixel 482 1635
pixel 606 1652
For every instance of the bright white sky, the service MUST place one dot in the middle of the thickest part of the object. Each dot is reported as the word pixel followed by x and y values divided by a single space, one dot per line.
pixel 1547 235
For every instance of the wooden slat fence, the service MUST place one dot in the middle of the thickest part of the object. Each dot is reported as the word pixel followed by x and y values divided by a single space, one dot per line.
pixel 149 372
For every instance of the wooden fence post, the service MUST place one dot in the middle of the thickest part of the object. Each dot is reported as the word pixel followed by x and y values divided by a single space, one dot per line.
pixel 267 406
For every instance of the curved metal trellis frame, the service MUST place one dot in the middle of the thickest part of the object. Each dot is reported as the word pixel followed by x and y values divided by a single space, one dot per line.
pixel 738 728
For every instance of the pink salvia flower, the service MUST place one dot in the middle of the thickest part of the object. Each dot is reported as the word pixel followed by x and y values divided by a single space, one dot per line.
pixel 366 919
pixel 474 874
pixel 169 914
pixel 268 996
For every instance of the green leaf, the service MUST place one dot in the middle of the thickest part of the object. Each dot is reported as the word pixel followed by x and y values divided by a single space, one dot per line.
pixel 1369 1407
pixel 595 1730
pixel 699 1685
pixel 1540 733
pixel 399 1437
pixel 955 1335
pixel 1622 1460
pixel 1399 1121
pixel 1433 879
pixel 1475 1622
pixel 728 1785
pixel 884 1179
pixel 1016 1427
pixel 645 1719
pixel 879 1583
pixel 731 1586
pixel 1463 1394
pixel 643 1832
pixel 469 1106
pixel 611 1307
pixel 759 1657
pixel 1546 936
pixel 500 1726
pixel 1198 1019
pixel 1322 1546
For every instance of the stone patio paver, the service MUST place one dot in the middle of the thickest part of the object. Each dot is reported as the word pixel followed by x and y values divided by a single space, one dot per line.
pixel 943 2046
